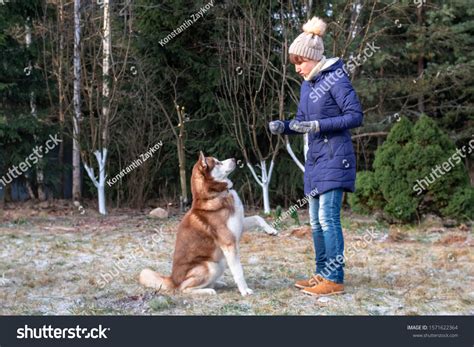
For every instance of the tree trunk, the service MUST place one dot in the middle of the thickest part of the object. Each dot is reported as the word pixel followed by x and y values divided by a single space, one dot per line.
pixel 34 113
pixel 107 45
pixel 356 10
pixel 309 10
pixel 104 119
pixel 61 94
pixel 182 160
pixel 266 198
pixel 289 149
pixel 264 182
pixel 101 187
pixel 76 155
pixel 421 61
pixel 99 184
pixel 102 155
pixel 29 187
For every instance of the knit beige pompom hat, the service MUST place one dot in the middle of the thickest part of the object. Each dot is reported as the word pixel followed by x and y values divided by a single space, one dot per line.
pixel 309 44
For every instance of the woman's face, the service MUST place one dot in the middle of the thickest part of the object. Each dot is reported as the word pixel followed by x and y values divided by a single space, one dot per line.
pixel 305 67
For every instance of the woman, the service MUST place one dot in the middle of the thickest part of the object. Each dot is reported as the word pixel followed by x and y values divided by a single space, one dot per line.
pixel 328 108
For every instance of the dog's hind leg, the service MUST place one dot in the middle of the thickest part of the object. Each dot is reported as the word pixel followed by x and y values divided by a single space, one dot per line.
pixel 208 291
pixel 217 269
pixel 257 221
pixel 199 280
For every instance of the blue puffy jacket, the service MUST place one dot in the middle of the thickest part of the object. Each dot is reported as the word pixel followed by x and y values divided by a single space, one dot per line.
pixel 329 98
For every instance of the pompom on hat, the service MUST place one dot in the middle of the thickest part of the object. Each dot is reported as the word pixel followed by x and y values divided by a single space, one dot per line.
pixel 309 44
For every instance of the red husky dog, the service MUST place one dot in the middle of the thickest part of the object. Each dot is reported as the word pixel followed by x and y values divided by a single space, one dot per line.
pixel 209 233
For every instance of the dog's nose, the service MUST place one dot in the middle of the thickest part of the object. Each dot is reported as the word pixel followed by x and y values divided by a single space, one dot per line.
pixel 233 160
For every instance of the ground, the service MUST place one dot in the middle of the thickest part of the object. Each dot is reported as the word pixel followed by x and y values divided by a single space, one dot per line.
pixel 55 260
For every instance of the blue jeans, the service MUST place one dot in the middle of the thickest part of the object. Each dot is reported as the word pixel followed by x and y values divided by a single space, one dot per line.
pixel 325 219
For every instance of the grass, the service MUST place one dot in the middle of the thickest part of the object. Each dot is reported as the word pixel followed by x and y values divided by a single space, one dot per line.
pixel 57 265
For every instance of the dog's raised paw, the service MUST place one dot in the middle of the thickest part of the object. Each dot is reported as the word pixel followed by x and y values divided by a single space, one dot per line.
pixel 271 231
pixel 246 291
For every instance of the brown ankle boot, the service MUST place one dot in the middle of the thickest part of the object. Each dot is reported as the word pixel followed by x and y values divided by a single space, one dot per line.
pixel 324 288
pixel 302 284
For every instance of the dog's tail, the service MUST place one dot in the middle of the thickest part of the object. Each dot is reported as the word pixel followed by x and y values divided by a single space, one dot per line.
pixel 152 279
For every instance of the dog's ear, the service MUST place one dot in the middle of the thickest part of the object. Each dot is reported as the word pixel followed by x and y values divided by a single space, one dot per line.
pixel 202 160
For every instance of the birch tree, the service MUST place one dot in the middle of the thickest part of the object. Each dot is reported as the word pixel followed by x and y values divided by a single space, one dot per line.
pixel 76 119
pixel 59 65
pixel 101 152
pixel 29 187
pixel 100 91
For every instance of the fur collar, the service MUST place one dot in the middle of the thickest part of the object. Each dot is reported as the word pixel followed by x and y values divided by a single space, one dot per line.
pixel 322 65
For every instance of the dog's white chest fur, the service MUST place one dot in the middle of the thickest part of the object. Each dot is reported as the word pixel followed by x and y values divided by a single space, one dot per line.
pixel 236 221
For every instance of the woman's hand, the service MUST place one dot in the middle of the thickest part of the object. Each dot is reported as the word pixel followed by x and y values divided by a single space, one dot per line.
pixel 305 127
pixel 276 127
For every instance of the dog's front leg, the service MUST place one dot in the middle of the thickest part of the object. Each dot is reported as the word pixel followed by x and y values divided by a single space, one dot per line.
pixel 257 221
pixel 231 254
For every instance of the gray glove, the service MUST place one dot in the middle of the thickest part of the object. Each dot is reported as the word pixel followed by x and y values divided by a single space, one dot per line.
pixel 276 127
pixel 304 127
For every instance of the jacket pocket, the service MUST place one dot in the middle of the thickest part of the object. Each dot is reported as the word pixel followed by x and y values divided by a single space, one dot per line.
pixel 331 153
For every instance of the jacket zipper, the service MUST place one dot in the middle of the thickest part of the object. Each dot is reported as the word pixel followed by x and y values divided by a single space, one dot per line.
pixel 331 154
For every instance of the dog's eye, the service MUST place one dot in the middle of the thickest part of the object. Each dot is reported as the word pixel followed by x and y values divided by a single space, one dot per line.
pixel 219 163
